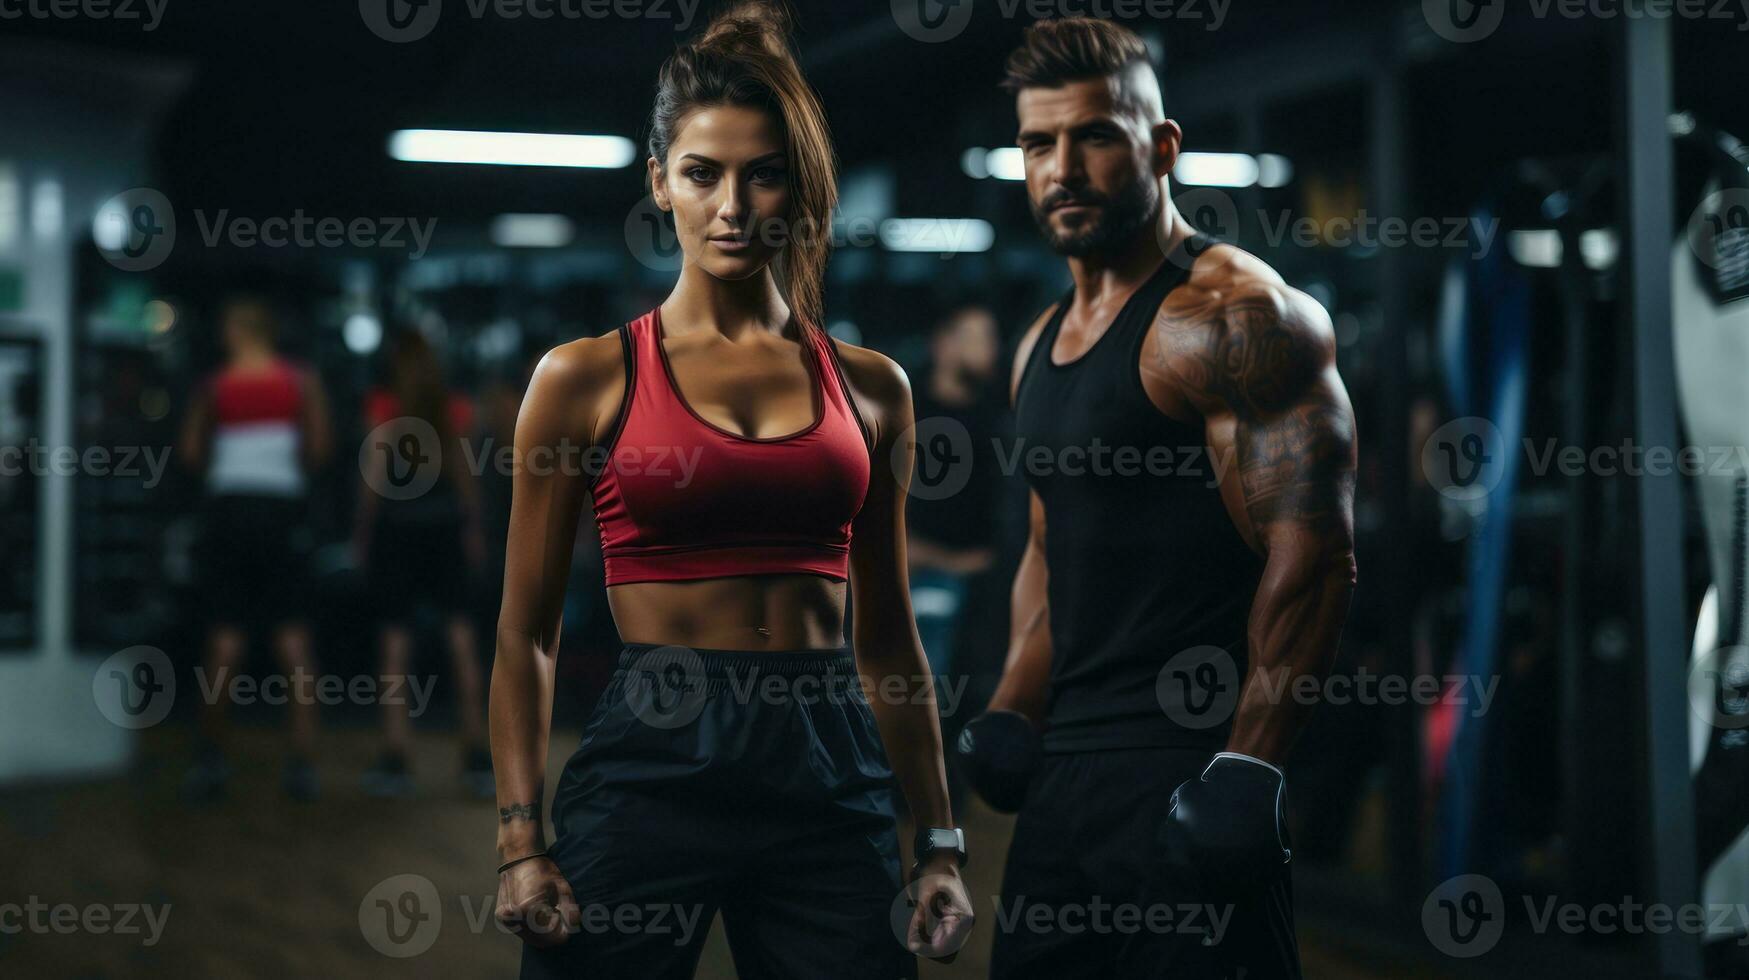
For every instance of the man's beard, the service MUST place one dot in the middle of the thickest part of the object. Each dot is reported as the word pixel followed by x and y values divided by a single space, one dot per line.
pixel 1120 218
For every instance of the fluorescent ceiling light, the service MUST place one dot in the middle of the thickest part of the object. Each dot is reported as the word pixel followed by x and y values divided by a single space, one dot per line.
pixel 532 231
pixel 511 149
pixel 1217 169
pixel 1006 163
pixel 1274 170
pixel 937 234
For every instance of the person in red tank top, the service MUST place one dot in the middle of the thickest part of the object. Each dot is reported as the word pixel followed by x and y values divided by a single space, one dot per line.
pixel 422 553
pixel 745 472
pixel 253 432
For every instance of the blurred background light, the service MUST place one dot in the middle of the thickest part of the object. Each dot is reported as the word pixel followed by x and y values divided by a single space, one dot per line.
pixel 363 333
pixel 511 149
pixel 1217 169
pixel 532 231
pixel 937 235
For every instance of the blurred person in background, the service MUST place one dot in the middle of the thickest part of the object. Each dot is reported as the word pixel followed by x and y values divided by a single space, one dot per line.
pixel 953 526
pixel 748 476
pixel 418 552
pixel 255 430
pixel 952 515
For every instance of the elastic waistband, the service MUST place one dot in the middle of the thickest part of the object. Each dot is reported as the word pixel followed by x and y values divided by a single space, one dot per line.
pixel 719 667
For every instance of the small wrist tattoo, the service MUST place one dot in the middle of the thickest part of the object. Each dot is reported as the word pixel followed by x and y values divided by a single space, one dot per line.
pixel 519 811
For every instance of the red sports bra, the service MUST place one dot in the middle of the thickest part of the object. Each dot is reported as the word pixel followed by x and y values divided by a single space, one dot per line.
pixel 680 499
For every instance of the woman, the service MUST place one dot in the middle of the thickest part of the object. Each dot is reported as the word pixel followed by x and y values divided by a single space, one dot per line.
pixel 743 468
pixel 419 551
pixel 256 430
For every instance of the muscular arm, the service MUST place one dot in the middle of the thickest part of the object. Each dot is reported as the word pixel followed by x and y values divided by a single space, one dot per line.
pixel 1026 674
pixel 548 495
pixel 1259 364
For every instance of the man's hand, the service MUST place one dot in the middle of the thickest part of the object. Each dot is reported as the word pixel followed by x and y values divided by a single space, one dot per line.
pixel 942 920
pixel 1226 834
pixel 1000 751
pixel 535 903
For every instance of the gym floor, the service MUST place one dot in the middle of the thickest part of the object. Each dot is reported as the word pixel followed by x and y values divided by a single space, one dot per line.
pixel 258 887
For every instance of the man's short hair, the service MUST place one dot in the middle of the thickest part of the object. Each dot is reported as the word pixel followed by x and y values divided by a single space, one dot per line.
pixel 1070 49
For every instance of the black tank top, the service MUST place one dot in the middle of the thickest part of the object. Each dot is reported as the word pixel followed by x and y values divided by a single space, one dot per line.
pixel 1150 584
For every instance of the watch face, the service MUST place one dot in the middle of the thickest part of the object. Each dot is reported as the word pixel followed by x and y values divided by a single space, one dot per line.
pixel 937 839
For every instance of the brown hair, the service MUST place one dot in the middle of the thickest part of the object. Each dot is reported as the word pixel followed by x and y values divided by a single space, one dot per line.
pixel 1071 49
pixel 743 58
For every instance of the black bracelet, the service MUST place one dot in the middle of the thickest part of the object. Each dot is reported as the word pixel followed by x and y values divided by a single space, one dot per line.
pixel 506 866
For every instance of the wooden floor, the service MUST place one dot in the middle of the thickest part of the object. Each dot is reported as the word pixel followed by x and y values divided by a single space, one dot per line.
pixel 257 887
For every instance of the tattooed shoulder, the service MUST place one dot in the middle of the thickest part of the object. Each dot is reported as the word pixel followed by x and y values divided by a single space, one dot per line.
pixel 1253 351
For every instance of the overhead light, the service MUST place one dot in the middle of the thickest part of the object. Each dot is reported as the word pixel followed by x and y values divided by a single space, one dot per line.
pixel 511 149
pixel 532 231
pixel 1006 163
pixel 975 163
pixel 1274 170
pixel 1217 169
pixel 937 235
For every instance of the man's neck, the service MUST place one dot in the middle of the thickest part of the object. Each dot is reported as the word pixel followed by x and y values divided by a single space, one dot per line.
pixel 1120 269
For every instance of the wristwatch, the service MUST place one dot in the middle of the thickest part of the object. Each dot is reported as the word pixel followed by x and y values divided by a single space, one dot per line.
pixel 934 839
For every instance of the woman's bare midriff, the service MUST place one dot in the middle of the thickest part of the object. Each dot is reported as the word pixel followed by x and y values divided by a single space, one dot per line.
pixel 758 612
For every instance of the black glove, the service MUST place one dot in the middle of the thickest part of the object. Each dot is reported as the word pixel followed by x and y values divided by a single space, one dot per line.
pixel 1000 751
pixel 1226 833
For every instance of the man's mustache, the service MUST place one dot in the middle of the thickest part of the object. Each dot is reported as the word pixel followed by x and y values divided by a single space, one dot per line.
pixel 1063 199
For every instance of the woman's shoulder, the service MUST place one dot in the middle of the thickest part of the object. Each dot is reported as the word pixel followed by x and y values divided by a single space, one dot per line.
pixel 582 364
pixel 874 375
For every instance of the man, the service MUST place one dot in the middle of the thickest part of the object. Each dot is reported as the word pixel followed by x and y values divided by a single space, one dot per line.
pixel 1190 554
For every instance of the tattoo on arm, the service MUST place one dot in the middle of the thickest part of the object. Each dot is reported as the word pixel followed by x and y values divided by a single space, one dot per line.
pixel 519 812
pixel 1293 430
